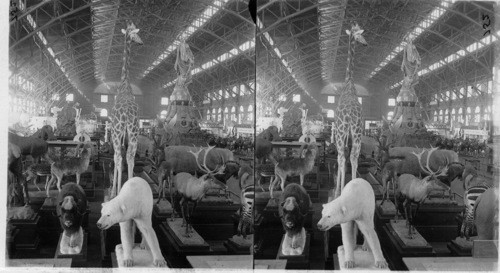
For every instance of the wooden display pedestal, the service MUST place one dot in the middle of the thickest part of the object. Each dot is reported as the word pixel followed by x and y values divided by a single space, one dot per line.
pixel 39 197
pixel 50 226
pixel 173 231
pixel 399 232
pixel 296 261
pixel 142 257
pixel 27 237
pixel 161 211
pixel 78 260
pixel 238 245
pixel 224 262
pixel 395 233
pixel 386 212
pixel 436 219
pixel 110 238
pixel 363 260
pixel 461 247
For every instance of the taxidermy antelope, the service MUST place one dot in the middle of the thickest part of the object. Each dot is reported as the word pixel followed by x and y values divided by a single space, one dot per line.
pixel 415 190
pixel 68 166
pixel 193 189
pixel 293 167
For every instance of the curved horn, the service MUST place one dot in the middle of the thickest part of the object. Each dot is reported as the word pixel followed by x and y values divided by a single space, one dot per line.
pixel 196 155
pixel 301 149
pixel 419 157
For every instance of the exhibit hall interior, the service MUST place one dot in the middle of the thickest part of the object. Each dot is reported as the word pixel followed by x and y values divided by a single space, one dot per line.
pixel 129 124
pixel 252 135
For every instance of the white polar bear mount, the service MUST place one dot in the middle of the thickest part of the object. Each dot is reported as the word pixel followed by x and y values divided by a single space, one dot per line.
pixel 132 207
pixel 353 209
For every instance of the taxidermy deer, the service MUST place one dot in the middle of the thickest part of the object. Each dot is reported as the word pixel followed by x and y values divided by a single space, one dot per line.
pixel 38 169
pixel 399 160
pixel 68 166
pixel 178 159
pixel 416 190
pixel 192 189
pixel 293 167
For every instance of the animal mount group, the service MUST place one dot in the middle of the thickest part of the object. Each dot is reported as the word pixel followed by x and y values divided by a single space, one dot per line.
pixel 193 189
pixel 69 165
pixel 416 190
pixel 296 166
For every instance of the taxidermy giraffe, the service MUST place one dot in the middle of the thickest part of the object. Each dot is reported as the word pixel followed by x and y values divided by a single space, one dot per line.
pixel 124 122
pixel 348 116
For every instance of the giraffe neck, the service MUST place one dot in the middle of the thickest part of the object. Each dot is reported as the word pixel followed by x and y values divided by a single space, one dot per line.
pixel 125 84
pixel 350 59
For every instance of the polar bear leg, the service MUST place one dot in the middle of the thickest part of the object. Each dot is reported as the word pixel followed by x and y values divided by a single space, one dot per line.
pixel 349 243
pixel 127 238
pixel 369 232
pixel 286 247
pixel 146 227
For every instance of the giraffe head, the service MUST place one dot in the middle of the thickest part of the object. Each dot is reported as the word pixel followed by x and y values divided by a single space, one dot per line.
pixel 356 32
pixel 131 33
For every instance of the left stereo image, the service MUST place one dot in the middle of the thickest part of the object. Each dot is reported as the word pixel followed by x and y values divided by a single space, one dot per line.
pixel 130 134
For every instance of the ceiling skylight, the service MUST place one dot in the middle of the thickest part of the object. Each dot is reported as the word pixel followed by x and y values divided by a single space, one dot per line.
pixel 455 56
pixel 222 58
pixel 260 25
pixel 195 25
pixel 40 35
pixel 424 24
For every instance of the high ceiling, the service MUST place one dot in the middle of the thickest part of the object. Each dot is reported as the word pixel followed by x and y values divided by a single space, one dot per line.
pixel 307 39
pixel 301 46
pixel 85 37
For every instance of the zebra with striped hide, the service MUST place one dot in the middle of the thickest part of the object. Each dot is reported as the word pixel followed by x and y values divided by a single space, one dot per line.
pixel 246 178
pixel 475 185
pixel 470 197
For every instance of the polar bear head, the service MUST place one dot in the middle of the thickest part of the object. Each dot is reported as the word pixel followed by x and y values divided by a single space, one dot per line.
pixel 333 213
pixel 111 213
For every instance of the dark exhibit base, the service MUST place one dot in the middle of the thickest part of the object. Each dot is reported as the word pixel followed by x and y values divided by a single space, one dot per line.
pixel 296 261
pixel 460 247
pixel 176 235
pixel 161 211
pixel 109 239
pixel 238 245
pixel 27 237
pixel 397 245
pixel 78 260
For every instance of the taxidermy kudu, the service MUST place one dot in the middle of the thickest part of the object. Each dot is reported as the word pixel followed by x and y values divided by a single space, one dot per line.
pixel 178 159
pixel 293 167
pixel 416 190
pixel 193 189
pixel 68 166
